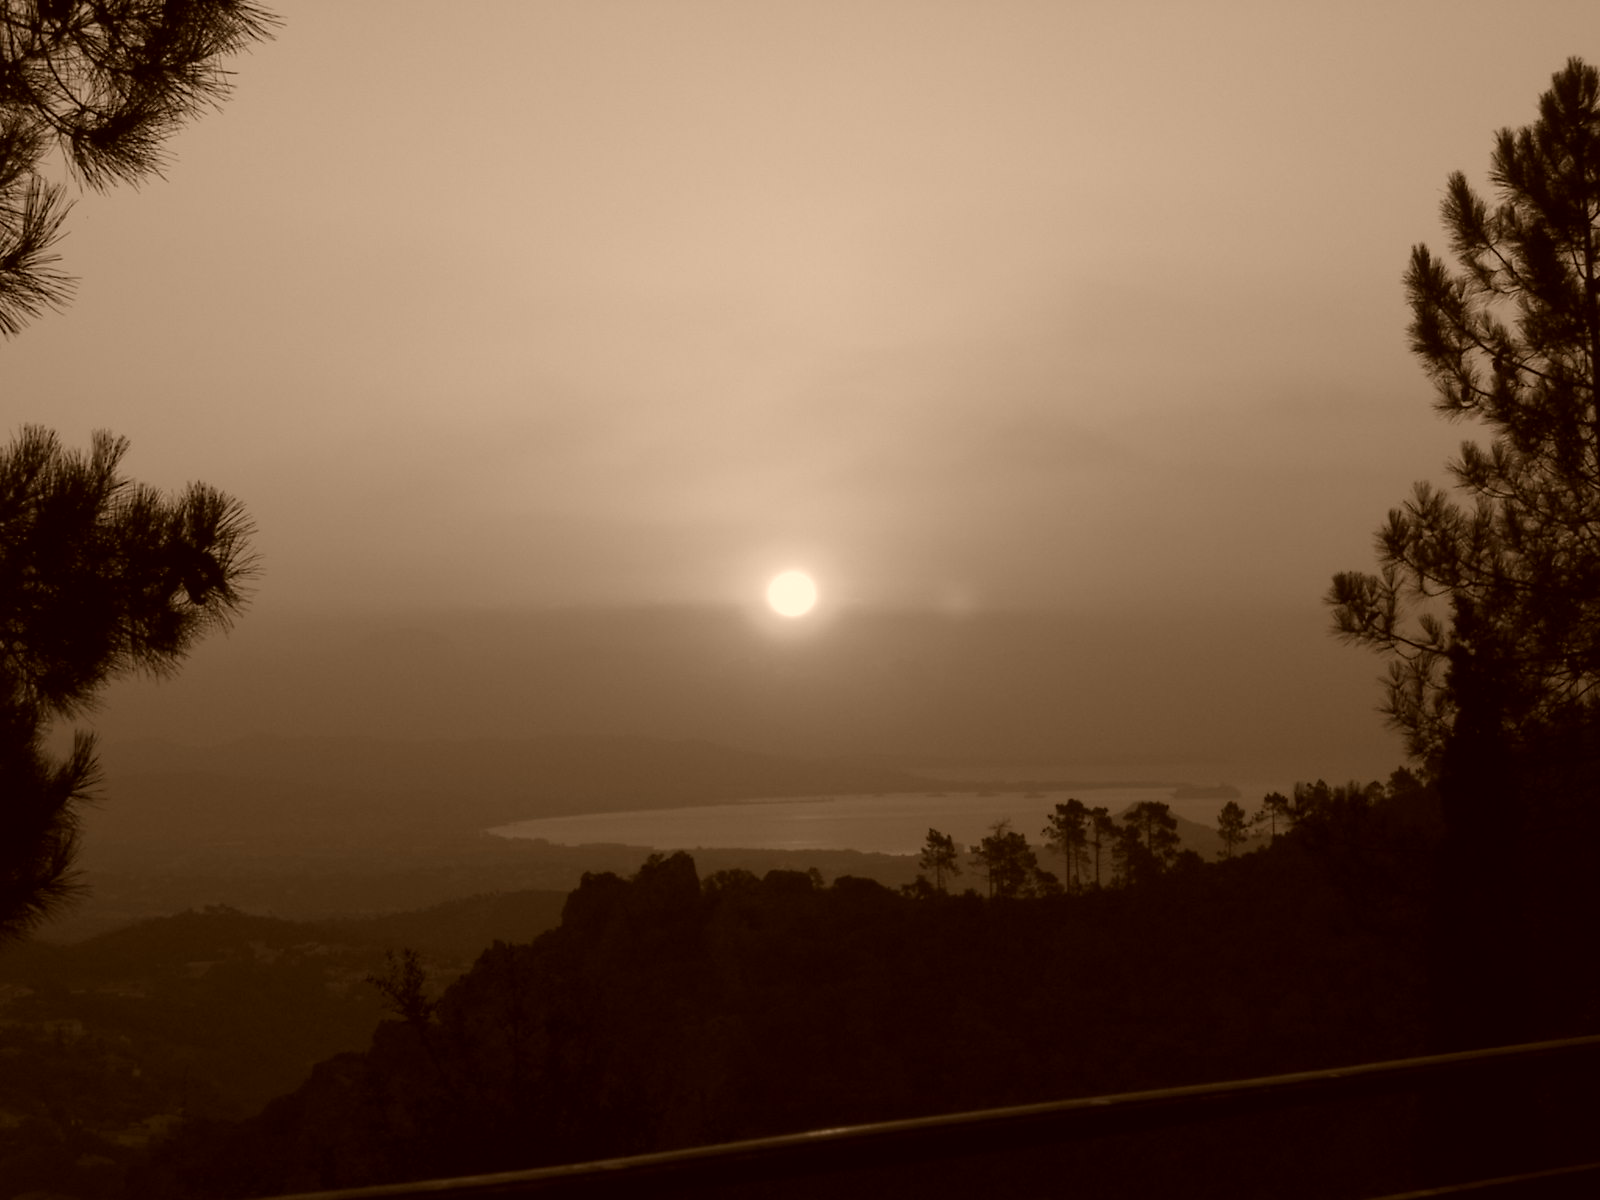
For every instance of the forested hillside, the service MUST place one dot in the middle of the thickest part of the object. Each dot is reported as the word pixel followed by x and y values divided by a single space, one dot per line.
pixel 669 1010
pixel 201 1016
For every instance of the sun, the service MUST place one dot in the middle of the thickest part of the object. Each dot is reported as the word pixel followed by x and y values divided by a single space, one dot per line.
pixel 792 594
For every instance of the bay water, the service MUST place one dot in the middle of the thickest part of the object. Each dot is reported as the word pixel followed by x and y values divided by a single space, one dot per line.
pixel 881 823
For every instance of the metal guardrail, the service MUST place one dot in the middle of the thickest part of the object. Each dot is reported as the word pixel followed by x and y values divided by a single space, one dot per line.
pixel 1030 1149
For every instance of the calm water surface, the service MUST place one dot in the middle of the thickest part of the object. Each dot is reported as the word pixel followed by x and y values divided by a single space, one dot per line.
pixel 882 824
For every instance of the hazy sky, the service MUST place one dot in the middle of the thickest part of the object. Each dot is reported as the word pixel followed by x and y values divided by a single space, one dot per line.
pixel 1061 305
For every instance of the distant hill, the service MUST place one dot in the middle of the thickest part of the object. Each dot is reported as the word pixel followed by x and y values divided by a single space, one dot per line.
pixel 315 827
pixel 209 1012
pixel 467 782
pixel 310 826
pixel 114 1041
pixel 249 1002
pixel 458 929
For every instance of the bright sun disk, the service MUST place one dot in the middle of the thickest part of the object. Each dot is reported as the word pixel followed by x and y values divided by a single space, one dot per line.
pixel 792 594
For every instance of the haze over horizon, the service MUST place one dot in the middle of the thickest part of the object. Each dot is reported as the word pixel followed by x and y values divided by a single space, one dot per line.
pixel 1256 699
pixel 1090 311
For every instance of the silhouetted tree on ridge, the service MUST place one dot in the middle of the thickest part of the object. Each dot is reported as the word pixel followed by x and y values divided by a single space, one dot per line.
pixel 403 985
pixel 1147 843
pixel 1101 836
pixel 1273 812
pixel 1007 863
pixel 939 856
pixel 1067 832
pixel 1233 827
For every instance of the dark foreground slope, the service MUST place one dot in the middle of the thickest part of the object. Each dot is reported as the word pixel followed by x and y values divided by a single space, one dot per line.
pixel 670 1011
pixel 207 1015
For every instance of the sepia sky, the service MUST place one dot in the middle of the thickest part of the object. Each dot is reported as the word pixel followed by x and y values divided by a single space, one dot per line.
pixel 1051 305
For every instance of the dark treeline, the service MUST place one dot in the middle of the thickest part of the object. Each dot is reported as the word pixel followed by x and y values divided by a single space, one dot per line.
pixel 669 1010
pixel 1141 843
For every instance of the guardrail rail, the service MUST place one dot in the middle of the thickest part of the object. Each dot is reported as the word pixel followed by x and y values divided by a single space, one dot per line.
pixel 1509 1121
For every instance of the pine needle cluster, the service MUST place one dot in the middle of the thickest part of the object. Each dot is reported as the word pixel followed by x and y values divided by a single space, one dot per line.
pixel 99 577
pixel 103 85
